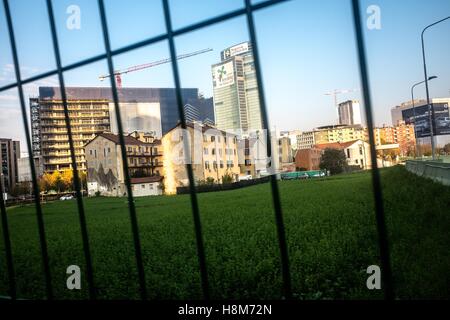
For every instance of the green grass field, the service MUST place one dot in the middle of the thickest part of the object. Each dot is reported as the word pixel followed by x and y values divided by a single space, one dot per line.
pixel 331 233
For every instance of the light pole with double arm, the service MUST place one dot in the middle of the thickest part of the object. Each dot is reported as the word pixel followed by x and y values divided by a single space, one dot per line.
pixel 430 109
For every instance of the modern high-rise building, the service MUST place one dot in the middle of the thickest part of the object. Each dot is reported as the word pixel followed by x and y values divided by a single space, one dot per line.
pixel 9 155
pixel 349 113
pixel 91 110
pixel 200 110
pixel 236 101
pixel 419 117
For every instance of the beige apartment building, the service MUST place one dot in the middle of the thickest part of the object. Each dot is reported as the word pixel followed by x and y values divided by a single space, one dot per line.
pixel 105 167
pixel 213 155
pixel 339 133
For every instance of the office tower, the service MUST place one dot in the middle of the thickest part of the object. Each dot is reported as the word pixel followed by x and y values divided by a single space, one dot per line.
pixel 349 113
pixel 236 101
pixel 9 155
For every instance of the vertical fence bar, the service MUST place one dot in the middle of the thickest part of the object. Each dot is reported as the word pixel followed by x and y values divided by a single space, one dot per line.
pixel 273 181
pixel 193 193
pixel 76 181
pixel 40 219
pixel 7 241
pixel 377 191
pixel 132 209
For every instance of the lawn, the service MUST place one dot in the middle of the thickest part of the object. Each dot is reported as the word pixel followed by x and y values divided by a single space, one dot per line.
pixel 330 228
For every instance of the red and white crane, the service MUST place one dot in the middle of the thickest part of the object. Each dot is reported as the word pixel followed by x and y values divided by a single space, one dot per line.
pixel 118 73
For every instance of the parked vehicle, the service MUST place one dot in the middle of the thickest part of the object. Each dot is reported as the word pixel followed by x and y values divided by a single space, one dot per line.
pixel 66 197
pixel 246 177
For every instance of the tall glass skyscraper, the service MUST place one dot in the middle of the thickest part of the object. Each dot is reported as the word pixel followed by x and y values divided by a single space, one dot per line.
pixel 236 101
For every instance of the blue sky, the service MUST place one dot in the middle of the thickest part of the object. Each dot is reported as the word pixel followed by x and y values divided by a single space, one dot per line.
pixel 307 48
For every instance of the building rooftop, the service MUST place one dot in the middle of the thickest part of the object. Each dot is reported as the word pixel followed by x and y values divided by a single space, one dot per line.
pixel 104 93
pixel 336 145
pixel 129 140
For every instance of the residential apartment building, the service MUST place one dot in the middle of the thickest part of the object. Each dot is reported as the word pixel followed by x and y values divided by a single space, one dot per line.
pixel 88 118
pixel 105 168
pixel 235 90
pixel 340 133
pixel 305 140
pixel 401 134
pixel 213 154
pixel 9 155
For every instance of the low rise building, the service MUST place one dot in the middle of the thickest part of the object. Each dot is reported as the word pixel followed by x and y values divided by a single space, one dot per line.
pixel 213 155
pixel 357 152
pixel 105 168
pixel 308 159
pixel 305 140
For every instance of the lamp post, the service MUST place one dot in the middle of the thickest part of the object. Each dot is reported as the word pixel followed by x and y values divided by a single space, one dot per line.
pixel 414 111
pixel 430 110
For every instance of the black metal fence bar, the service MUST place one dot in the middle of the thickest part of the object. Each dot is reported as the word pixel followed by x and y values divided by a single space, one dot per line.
pixel 76 177
pixel 132 209
pixel 7 242
pixel 40 219
pixel 187 148
pixel 273 180
pixel 377 192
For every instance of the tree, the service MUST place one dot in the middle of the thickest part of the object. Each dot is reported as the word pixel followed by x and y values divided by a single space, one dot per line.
pixel 67 180
pixel 447 148
pixel 47 182
pixel 58 181
pixel 333 160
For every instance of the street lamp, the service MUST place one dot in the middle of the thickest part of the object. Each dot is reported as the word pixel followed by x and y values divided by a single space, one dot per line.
pixel 430 110
pixel 414 111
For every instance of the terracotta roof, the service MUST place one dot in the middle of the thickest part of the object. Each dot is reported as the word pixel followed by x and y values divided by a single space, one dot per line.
pixel 129 140
pixel 336 145
pixel 146 179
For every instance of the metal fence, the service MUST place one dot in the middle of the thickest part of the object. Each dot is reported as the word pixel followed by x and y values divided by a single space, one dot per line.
pixel 247 11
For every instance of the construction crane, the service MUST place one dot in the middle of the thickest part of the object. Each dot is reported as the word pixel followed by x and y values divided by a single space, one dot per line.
pixel 335 93
pixel 118 73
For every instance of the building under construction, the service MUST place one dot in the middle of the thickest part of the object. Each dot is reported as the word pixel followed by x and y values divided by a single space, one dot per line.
pixel 89 116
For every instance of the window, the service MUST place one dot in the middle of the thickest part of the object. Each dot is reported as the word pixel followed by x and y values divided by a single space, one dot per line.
pixel 143 186
pixel 213 151
pixel 206 165
pixel 213 138
pixel 205 151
